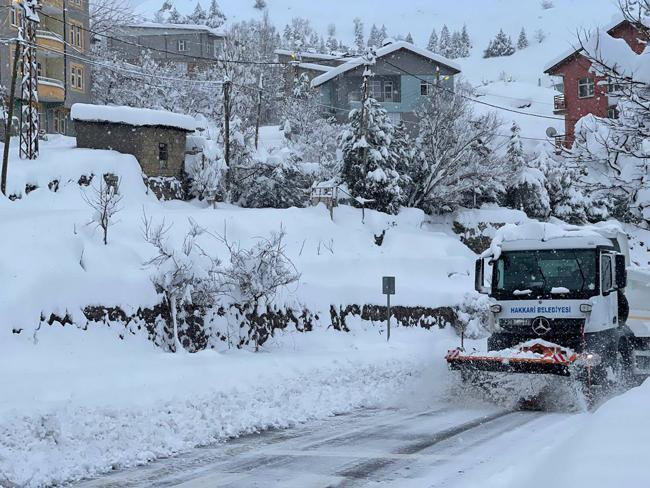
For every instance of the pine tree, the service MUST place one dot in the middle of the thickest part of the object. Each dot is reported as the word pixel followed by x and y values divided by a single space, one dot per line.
pixel 383 35
pixel 199 16
pixel 522 42
pixel 368 165
pixel 260 4
pixel 332 43
pixel 174 17
pixel 466 43
pixel 216 17
pixel 501 45
pixel 409 38
pixel 433 42
pixel 455 47
pixel 359 41
pixel 444 44
pixel 373 39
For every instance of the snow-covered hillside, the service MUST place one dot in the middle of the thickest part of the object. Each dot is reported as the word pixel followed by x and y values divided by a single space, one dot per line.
pixel 515 82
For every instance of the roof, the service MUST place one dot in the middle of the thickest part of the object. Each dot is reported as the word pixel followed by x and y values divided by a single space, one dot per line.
pixel 307 54
pixel 381 52
pixel 315 67
pixel 153 26
pixel 142 117
pixel 563 242
pixel 568 55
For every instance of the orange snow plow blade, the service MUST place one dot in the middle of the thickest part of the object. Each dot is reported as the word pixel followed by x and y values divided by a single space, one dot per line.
pixel 536 356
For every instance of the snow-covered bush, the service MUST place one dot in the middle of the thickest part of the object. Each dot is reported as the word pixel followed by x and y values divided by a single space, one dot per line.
pixel 522 42
pixel 501 45
pixel 105 202
pixel 474 318
pixel 276 182
pixel 205 170
pixel 368 164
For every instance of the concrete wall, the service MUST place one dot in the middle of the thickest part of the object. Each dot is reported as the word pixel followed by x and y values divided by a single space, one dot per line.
pixel 141 142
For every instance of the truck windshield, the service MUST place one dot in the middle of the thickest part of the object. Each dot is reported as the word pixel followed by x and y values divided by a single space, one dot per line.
pixel 560 273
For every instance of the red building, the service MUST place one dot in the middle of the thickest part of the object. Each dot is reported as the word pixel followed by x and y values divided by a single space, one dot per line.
pixel 585 93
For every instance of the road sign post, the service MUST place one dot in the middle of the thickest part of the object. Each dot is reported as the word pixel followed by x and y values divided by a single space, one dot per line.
pixel 388 289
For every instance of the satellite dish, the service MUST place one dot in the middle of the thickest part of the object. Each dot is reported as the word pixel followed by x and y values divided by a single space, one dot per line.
pixel 551 132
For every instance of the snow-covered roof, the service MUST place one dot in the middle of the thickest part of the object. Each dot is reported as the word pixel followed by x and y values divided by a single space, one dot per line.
pixel 381 52
pixel 315 67
pixel 131 116
pixel 180 27
pixel 307 54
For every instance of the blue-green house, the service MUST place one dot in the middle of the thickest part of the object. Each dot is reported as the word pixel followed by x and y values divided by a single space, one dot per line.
pixel 402 75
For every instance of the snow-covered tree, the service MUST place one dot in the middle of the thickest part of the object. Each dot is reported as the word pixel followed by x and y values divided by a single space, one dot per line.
pixel 501 45
pixel 409 38
pixel 162 15
pixel 456 47
pixel 106 15
pixel 444 43
pixel 260 4
pixel 540 36
pixel 299 35
pixel 374 39
pixel 450 138
pixel 105 202
pixel 433 42
pixel 522 42
pixel 383 35
pixel 359 40
pixel 368 165
pixel 198 16
pixel 332 43
pixel 206 170
pixel 215 17
pixel 465 43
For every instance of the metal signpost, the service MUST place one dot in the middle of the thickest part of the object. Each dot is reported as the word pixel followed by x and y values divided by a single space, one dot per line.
pixel 388 289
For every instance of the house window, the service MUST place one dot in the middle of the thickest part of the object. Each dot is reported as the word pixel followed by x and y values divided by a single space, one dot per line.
pixel 39 69
pixel 15 16
pixel 612 113
pixel 375 90
pixel 182 45
pixel 163 155
pixel 76 35
pixel 425 88
pixel 388 91
pixel 612 86
pixel 77 77
pixel 77 3
pixel 586 87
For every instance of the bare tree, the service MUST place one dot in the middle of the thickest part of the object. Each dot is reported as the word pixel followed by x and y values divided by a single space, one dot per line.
pixel 106 15
pixel 105 201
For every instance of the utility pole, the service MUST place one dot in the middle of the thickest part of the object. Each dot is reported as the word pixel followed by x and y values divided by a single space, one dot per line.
pixel 365 95
pixel 227 106
pixel 29 86
pixel 10 117
pixel 259 112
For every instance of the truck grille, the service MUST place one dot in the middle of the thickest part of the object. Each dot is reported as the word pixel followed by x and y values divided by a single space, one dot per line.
pixel 559 327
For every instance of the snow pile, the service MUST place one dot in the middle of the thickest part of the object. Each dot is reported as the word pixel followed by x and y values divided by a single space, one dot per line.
pixel 609 449
pixel 131 116
pixel 120 404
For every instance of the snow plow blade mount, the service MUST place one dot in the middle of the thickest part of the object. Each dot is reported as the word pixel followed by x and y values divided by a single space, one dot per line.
pixel 533 357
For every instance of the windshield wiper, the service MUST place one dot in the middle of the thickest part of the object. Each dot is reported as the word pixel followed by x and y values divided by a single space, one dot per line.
pixel 575 256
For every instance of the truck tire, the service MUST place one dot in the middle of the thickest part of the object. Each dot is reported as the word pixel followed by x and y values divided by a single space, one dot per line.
pixel 623 308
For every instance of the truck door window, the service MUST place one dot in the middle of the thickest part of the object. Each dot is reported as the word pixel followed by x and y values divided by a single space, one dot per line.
pixel 606 273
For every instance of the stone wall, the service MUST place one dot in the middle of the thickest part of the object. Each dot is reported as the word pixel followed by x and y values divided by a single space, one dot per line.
pixel 141 142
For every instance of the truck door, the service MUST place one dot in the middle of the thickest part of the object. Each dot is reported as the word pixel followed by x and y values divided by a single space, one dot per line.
pixel 608 291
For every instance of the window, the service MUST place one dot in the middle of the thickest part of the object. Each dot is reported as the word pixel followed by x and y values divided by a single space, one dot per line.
pixel 217 48
pixel 375 90
pixel 426 88
pixel 612 113
pixel 606 273
pixel 16 16
pixel 612 86
pixel 182 45
pixel 76 35
pixel 586 87
pixel 76 3
pixel 163 154
pixel 39 69
pixel 77 77
pixel 388 91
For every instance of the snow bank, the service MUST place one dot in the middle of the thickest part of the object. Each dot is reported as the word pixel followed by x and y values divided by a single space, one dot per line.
pixel 84 403
pixel 131 116
pixel 609 449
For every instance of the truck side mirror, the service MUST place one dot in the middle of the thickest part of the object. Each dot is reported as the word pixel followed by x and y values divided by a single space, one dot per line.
pixel 479 277
pixel 621 272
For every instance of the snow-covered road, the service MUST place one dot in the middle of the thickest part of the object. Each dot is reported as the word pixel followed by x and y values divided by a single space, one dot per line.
pixel 446 446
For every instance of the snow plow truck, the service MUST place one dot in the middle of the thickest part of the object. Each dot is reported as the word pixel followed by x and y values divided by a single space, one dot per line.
pixel 564 301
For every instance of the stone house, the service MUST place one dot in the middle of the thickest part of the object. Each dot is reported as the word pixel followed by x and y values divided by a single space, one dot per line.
pixel 155 137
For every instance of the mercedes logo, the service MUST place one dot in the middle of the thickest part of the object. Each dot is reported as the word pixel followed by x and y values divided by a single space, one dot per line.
pixel 541 326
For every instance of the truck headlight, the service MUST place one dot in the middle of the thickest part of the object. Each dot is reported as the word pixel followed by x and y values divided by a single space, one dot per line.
pixel 586 307
pixel 495 308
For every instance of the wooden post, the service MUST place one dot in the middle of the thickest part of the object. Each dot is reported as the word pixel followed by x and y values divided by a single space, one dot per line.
pixel 9 120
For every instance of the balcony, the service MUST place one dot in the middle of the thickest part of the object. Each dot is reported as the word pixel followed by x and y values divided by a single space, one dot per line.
pixel 559 105
pixel 50 90
pixel 50 43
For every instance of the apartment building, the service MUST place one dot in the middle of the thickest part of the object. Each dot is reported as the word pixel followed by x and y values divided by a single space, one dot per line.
pixel 63 44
